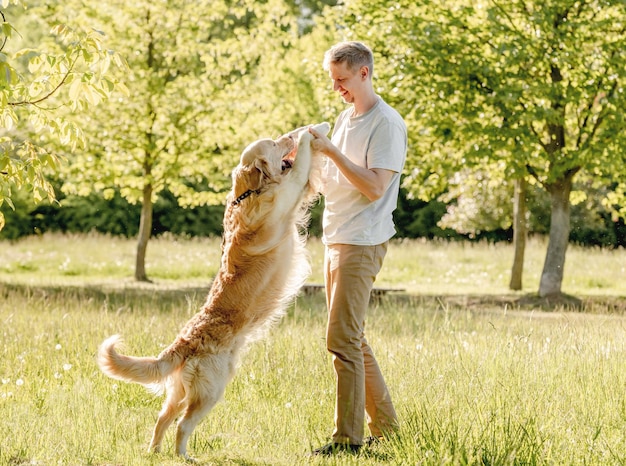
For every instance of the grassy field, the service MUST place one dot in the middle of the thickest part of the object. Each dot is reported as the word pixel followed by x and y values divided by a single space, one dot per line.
pixel 420 267
pixel 475 379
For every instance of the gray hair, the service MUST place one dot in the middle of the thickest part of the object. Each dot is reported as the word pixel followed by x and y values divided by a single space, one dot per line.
pixel 355 54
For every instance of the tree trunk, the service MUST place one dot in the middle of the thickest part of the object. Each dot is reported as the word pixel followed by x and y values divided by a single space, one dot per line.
pixel 519 234
pixel 552 274
pixel 145 229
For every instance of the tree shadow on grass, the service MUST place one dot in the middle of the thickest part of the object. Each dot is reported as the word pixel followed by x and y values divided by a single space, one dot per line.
pixel 513 302
pixel 123 292
pixel 117 296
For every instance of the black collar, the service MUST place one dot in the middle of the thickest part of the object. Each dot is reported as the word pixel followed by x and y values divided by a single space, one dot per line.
pixel 248 193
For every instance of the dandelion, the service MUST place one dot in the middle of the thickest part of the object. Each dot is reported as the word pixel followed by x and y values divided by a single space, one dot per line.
pixel 19 382
pixel 58 347
pixel 57 375
pixel 67 367
pixel 288 405
pixel 6 381
pixel 64 266
pixel 605 350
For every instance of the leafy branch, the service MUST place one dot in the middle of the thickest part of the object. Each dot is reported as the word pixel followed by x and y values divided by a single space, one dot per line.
pixel 53 91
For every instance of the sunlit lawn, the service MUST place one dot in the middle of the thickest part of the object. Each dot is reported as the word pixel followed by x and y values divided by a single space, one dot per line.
pixel 419 267
pixel 475 379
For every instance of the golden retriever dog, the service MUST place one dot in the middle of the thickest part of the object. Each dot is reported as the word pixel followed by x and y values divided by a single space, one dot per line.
pixel 263 265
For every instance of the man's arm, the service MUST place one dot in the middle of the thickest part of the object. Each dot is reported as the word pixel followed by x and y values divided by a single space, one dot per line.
pixel 371 182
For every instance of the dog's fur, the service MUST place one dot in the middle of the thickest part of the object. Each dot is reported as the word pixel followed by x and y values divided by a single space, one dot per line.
pixel 263 265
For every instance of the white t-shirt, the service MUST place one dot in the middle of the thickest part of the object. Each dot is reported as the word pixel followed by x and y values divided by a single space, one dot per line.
pixel 377 139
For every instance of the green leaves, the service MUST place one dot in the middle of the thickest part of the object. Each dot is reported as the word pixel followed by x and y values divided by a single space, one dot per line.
pixel 500 80
pixel 24 166
pixel 189 84
pixel 36 85
pixel 201 83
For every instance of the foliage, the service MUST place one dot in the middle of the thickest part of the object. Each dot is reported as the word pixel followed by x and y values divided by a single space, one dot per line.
pixel 528 89
pixel 592 224
pixel 489 81
pixel 72 71
pixel 479 205
pixel 415 218
pixel 205 79
pixel 115 216
pixel 474 81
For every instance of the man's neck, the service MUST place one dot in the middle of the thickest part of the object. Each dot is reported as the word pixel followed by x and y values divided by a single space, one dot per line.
pixel 365 104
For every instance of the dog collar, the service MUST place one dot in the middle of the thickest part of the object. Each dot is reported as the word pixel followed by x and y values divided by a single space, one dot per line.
pixel 248 193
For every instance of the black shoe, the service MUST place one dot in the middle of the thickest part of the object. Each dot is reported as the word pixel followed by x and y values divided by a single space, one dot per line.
pixel 334 448
pixel 372 440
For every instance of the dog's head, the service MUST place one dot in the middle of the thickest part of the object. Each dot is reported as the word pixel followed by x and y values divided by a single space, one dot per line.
pixel 262 162
pixel 269 156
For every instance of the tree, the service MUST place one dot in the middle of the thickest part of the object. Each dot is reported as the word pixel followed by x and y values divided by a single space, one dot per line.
pixel 206 78
pixel 477 202
pixel 536 85
pixel 73 72
pixel 520 233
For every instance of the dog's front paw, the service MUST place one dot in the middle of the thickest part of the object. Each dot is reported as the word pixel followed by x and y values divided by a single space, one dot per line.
pixel 305 137
pixel 322 128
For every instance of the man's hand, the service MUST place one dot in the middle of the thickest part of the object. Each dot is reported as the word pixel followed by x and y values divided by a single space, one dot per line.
pixel 321 143
pixel 372 183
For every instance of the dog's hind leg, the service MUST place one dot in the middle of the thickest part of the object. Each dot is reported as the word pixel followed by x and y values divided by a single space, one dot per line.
pixel 205 389
pixel 194 413
pixel 172 406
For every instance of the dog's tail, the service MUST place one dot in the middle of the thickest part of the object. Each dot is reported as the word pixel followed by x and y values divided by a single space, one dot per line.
pixel 143 370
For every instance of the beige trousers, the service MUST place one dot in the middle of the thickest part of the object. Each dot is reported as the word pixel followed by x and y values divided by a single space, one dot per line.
pixel 350 272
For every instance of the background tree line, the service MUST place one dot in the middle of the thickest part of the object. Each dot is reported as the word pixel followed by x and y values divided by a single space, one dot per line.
pixel 592 225
pixel 514 110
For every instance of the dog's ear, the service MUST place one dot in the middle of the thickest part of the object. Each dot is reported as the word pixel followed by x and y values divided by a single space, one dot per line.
pixel 247 177
pixel 255 156
pixel 263 166
pixel 248 156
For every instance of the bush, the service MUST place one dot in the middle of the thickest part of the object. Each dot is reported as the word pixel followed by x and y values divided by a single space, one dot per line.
pixel 115 216
pixel 591 225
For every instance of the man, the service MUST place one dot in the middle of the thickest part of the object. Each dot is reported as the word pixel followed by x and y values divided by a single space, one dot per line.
pixel 365 157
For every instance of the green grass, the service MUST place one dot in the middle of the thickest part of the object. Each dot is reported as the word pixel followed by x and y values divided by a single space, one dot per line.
pixel 420 267
pixel 475 379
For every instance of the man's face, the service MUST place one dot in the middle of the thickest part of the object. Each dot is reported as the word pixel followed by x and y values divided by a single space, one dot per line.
pixel 348 83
